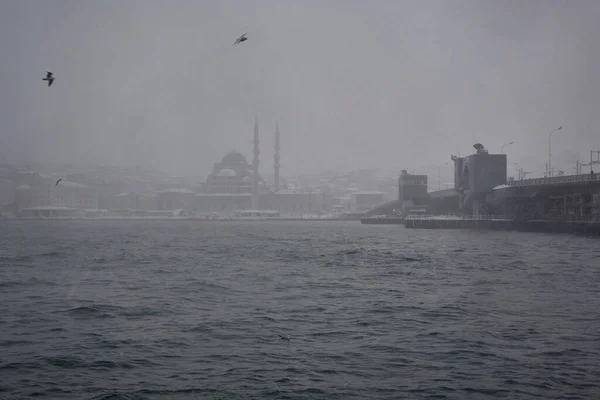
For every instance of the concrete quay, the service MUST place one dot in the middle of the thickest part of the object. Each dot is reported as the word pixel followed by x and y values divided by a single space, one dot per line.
pixel 452 222
pixel 576 226
pixel 382 220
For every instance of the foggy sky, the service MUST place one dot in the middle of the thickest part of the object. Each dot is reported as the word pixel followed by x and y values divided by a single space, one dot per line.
pixel 352 83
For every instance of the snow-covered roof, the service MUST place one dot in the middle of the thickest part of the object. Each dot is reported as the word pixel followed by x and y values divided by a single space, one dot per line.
pixel 223 194
pixel 71 184
pixel 57 208
pixel 368 192
pixel 177 190
pixel 227 172
pixel 298 191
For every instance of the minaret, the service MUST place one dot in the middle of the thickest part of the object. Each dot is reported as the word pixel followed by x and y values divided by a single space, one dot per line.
pixel 255 167
pixel 276 164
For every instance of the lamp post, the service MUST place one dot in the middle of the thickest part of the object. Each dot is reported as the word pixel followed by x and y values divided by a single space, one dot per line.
pixel 550 150
pixel 504 145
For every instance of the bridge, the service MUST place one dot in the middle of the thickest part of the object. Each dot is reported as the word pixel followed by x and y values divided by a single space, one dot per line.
pixel 557 180
pixel 562 197
pixel 569 196
pixel 567 184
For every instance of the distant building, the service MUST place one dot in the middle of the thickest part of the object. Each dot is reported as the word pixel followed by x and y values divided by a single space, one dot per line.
pixel 297 202
pixel 24 196
pixel 176 199
pixel 412 192
pixel 232 175
pixel 125 201
pixel 366 200
pixel 47 212
pixel 46 193
pixel 72 195
pixel 476 175
pixel 229 186
pixel 7 187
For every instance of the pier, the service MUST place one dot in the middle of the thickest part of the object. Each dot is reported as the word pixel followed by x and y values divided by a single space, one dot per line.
pixel 483 197
pixel 382 220
pixel 457 222
pixel 585 226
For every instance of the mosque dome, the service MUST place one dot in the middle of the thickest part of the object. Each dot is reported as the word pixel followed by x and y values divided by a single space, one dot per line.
pixel 234 158
pixel 227 172
pixel 232 175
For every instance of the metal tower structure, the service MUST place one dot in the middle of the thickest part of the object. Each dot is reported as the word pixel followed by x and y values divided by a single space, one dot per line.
pixel 593 162
pixel 255 167
pixel 276 163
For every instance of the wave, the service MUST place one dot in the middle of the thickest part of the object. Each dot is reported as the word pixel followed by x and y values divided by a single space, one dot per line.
pixel 94 311
pixel 388 316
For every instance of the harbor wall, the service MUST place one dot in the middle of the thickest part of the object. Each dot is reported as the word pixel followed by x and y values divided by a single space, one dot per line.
pixel 585 226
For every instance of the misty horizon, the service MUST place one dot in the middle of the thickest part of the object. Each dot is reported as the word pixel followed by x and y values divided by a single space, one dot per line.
pixel 394 84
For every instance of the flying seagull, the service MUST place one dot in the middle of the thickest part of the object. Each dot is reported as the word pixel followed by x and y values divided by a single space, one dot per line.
pixel 49 78
pixel 58 181
pixel 241 39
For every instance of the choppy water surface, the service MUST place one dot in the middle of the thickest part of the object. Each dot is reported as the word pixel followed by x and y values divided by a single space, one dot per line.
pixel 186 310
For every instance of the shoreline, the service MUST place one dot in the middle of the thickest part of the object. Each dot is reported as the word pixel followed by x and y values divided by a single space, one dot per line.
pixel 183 219
pixel 585 227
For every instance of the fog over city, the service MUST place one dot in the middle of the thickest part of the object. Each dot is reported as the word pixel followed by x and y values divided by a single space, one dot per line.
pixel 353 84
pixel 365 199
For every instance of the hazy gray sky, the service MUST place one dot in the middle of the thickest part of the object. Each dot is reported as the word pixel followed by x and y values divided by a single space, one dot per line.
pixel 353 83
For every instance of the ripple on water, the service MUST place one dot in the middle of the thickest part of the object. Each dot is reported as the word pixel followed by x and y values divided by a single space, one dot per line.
pixel 194 310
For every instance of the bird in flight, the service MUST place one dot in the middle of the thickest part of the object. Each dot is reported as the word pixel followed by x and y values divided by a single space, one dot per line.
pixel 58 181
pixel 49 78
pixel 241 39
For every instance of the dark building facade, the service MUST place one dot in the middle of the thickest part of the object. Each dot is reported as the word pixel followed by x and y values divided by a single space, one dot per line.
pixel 477 175
pixel 412 191
pixel 366 200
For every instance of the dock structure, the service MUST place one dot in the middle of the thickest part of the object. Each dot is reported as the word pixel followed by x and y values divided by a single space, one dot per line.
pixel 585 226
pixel 481 187
pixel 382 220
pixel 456 222
pixel 483 197
pixel 572 197
pixel 563 204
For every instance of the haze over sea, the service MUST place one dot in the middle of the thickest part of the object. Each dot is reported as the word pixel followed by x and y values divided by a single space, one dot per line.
pixel 188 310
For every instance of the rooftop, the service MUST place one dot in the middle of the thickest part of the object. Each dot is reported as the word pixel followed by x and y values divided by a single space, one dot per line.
pixel 71 184
pixel 234 158
pixel 177 190
pixel 223 194
pixel 55 208
pixel 443 193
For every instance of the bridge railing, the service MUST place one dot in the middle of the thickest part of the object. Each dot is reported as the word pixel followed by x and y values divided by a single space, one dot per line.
pixel 555 180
